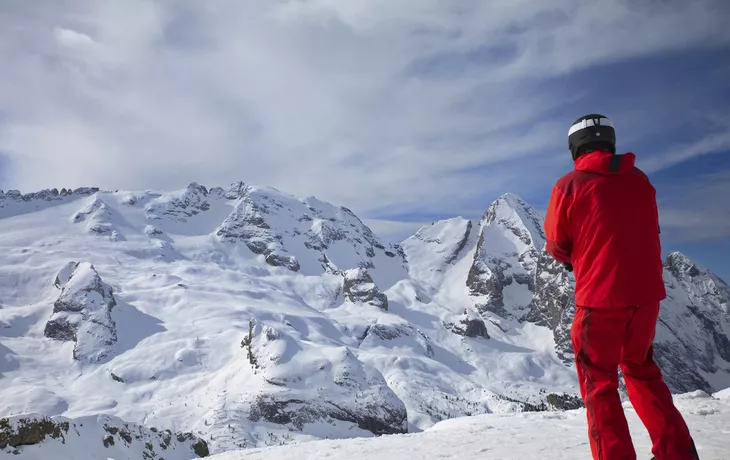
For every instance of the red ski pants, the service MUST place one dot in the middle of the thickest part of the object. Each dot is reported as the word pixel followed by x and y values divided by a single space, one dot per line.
pixel 603 340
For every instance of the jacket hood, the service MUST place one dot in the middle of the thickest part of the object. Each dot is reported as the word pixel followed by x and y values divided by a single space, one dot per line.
pixel 606 163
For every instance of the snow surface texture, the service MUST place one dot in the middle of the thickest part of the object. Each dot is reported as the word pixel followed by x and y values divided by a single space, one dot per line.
pixel 538 436
pixel 256 318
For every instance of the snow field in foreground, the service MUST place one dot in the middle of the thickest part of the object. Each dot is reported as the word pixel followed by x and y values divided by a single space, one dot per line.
pixel 524 436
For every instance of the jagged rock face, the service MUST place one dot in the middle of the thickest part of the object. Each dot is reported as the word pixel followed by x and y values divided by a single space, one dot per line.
pixel 563 401
pixel 103 436
pixel 359 287
pixel 512 276
pixel 699 282
pixel 303 233
pixel 45 195
pixel 375 408
pixel 505 261
pixel 465 326
pixel 14 203
pixel 179 206
pixel 247 223
pixel 694 326
pixel 471 325
pixel 151 230
pixel 553 304
pixel 82 313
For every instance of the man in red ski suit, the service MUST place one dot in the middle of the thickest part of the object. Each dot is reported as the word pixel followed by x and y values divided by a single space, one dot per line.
pixel 602 222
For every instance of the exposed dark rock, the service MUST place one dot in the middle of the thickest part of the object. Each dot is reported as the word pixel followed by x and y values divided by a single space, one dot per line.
pixel 85 191
pixel 694 320
pixel 201 448
pixel 462 244
pixel 29 431
pixel 564 401
pixel 693 324
pixel 297 413
pixel 488 281
pixel 329 266
pixel 386 332
pixel 236 190
pixel 60 329
pixel 470 326
pixel 247 224
pixel 180 207
pixel 281 260
pixel 324 234
pixel 282 412
pixel 359 287
pixel 151 230
pixel 393 421
pixel 553 304
pixel 82 313
pixel 246 343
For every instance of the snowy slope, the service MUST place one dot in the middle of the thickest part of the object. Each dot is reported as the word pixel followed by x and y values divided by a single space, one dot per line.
pixel 35 437
pixel 253 318
pixel 526 436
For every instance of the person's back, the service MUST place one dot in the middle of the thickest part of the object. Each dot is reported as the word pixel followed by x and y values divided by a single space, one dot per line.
pixel 615 231
pixel 602 221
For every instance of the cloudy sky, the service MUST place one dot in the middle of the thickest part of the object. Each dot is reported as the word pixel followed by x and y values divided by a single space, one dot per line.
pixel 404 111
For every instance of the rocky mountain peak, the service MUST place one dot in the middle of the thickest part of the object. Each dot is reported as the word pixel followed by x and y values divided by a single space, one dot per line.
pixel 345 335
pixel 508 252
pixel 359 287
pixel 180 205
pixel 82 313
pixel 698 281
pixel 512 213
pixel 680 265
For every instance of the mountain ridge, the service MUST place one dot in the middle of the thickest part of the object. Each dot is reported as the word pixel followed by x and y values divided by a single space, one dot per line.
pixel 253 317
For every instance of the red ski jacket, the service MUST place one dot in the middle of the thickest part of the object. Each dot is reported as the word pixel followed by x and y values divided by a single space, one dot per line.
pixel 603 219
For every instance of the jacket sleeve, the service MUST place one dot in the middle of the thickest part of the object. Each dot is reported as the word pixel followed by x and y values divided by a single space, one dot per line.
pixel 557 227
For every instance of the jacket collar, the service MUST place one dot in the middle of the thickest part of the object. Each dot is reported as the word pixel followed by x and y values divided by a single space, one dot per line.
pixel 606 163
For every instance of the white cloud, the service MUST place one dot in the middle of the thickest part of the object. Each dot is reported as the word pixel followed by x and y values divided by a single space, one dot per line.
pixel 72 39
pixel 372 104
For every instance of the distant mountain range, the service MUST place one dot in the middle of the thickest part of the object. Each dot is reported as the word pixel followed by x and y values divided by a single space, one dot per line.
pixel 251 317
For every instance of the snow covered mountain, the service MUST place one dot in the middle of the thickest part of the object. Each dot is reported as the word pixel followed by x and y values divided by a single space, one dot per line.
pixel 38 437
pixel 251 317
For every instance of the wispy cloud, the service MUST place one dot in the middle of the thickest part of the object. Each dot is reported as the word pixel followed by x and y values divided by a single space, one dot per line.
pixel 718 142
pixel 379 105
pixel 695 209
